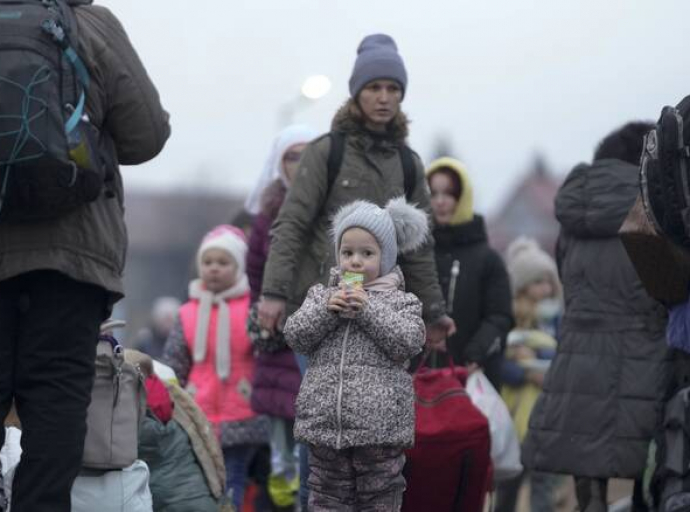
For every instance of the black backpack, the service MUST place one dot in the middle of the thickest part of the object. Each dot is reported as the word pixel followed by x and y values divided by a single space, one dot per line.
pixel 335 160
pixel 664 173
pixel 48 164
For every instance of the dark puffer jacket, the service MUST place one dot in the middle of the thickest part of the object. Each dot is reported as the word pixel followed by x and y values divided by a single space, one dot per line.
pixel 604 389
pixel 477 294
pixel 356 391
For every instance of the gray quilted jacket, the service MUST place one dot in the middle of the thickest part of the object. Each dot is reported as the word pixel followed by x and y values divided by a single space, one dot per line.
pixel 604 389
pixel 356 391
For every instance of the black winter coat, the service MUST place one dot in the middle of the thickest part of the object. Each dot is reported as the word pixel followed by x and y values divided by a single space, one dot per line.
pixel 476 287
pixel 605 387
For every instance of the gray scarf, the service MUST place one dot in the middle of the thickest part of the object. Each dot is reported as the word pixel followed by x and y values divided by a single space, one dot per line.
pixel 207 300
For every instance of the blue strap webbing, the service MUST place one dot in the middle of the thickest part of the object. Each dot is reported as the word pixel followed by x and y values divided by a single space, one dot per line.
pixel 83 77
pixel 55 29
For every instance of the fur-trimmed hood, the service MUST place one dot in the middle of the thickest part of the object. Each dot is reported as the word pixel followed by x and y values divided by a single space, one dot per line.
pixel 349 120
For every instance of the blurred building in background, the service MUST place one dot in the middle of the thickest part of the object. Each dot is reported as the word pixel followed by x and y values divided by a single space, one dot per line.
pixel 528 210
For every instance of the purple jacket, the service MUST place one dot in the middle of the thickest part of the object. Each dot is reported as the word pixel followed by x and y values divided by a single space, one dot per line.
pixel 276 384
pixel 259 243
pixel 276 375
pixel 678 330
pixel 260 238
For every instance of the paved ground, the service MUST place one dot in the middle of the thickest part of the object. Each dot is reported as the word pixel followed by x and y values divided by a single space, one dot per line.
pixel 619 492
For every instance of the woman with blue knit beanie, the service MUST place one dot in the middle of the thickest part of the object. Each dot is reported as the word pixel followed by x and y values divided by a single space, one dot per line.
pixel 364 157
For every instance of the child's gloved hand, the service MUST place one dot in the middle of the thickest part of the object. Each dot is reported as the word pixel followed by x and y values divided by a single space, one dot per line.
pixel 338 302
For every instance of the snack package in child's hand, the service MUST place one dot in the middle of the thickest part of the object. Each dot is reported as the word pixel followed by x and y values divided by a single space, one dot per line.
pixel 351 281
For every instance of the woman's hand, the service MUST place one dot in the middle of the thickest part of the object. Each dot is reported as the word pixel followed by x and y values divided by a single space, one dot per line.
pixel 437 333
pixel 271 314
pixel 473 367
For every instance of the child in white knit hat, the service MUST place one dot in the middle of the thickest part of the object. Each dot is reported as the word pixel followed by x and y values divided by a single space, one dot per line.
pixel 355 408
pixel 211 353
pixel 537 306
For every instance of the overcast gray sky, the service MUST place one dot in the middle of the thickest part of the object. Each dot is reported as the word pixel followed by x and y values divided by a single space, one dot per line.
pixel 500 79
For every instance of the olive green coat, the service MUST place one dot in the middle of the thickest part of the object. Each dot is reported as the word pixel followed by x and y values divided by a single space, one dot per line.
pixel 89 244
pixel 302 251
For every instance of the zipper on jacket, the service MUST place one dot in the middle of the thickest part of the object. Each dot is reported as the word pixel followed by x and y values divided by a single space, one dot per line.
pixel 454 273
pixel 339 405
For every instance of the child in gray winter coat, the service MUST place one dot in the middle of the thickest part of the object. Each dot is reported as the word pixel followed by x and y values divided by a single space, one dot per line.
pixel 355 408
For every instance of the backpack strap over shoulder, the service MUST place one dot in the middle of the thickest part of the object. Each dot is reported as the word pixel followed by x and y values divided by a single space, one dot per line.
pixel 64 33
pixel 409 170
pixel 335 158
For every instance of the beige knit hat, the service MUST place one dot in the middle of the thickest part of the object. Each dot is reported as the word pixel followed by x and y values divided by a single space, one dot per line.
pixel 527 263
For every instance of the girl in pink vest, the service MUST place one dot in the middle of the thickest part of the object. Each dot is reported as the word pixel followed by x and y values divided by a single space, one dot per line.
pixel 212 355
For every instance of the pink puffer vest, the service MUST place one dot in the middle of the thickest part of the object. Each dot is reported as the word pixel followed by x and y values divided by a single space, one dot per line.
pixel 229 400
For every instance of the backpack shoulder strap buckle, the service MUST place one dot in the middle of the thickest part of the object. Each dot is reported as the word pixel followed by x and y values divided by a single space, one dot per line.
pixel 54 29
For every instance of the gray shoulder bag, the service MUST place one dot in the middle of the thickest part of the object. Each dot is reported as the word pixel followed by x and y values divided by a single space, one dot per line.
pixel 118 403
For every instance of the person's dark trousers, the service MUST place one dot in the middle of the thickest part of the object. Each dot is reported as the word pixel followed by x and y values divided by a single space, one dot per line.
pixel 591 494
pixel 259 471
pixel 49 326
pixel 303 451
pixel 638 502
pixel 507 494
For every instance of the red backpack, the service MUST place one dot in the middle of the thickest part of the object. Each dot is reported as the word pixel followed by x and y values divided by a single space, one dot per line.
pixel 449 468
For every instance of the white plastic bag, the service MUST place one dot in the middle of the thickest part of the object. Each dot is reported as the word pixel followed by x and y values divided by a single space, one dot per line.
pixel 9 458
pixel 505 446
pixel 113 491
pixel 164 372
pixel 104 491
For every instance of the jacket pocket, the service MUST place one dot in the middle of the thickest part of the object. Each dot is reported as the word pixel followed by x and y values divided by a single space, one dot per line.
pixel 346 188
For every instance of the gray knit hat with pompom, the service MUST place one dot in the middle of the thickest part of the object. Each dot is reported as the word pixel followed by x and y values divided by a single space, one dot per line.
pixel 398 228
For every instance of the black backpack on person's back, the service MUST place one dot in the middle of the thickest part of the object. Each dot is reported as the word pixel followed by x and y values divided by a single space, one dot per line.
pixel 665 173
pixel 48 148
pixel 335 160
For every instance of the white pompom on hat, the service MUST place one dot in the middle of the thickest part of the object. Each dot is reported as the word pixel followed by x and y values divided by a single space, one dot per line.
pixel 399 228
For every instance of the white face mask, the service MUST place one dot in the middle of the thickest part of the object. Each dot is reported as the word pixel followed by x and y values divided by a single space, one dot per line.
pixel 548 309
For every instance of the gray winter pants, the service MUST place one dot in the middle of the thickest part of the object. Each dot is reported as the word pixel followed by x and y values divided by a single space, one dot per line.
pixel 363 479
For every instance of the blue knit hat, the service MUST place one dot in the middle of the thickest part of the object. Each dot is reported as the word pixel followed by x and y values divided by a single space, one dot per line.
pixel 398 228
pixel 377 58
